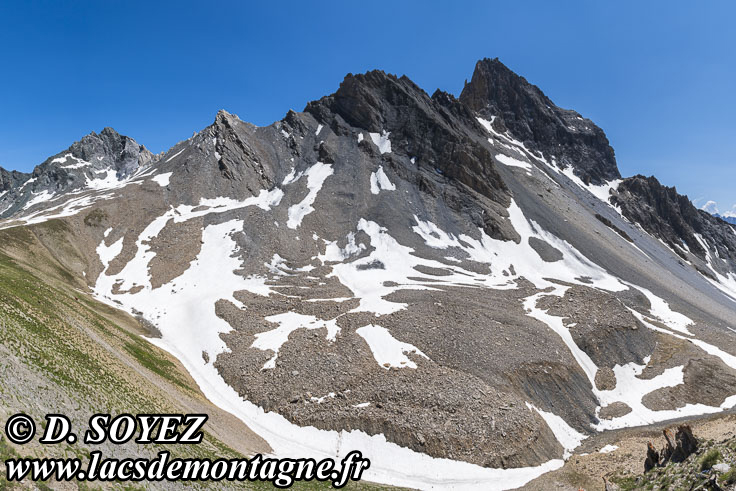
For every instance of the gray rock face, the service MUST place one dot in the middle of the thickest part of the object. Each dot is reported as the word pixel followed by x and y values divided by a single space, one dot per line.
pixel 670 216
pixel 521 108
pixel 11 180
pixel 111 150
pixel 439 133
pixel 97 160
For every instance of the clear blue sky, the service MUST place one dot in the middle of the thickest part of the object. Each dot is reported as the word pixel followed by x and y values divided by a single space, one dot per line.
pixel 658 77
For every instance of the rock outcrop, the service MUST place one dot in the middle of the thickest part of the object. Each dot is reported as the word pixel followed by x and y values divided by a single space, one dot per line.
pixel 680 444
pixel 11 179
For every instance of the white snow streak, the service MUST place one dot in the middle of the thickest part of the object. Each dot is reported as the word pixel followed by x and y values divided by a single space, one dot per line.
pixel 387 350
pixel 41 197
pixel 381 141
pixel 569 437
pixel 162 179
pixel 512 162
pixel 379 181
pixel 316 176
pixel 175 155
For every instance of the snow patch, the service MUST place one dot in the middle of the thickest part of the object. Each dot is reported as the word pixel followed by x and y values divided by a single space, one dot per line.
pixel 387 350
pixel 512 162
pixel 335 253
pixel 108 253
pixel 109 180
pixel 630 389
pixel 41 197
pixel 289 322
pixel 379 181
pixel 291 177
pixel 381 141
pixel 602 191
pixel 162 179
pixel 78 165
pixel 661 309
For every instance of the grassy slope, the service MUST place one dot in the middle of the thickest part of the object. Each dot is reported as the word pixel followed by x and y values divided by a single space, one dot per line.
pixel 61 351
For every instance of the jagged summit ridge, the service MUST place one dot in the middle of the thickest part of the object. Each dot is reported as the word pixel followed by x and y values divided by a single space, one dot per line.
pixel 673 218
pixel 429 136
pixel 497 93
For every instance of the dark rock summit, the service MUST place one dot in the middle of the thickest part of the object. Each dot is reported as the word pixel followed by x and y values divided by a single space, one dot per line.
pixel 438 134
pixel 672 217
pixel 496 93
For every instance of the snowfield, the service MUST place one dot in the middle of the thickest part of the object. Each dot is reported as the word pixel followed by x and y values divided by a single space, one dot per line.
pixel 184 312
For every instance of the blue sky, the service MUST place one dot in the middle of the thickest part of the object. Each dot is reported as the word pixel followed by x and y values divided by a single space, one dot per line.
pixel 658 77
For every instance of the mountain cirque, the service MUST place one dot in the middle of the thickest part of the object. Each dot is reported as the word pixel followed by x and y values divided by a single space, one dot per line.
pixel 438 282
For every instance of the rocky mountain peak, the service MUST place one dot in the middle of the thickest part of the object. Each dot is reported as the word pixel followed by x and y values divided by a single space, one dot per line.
pixel 108 150
pixel 96 162
pixel 512 103
pixel 385 262
pixel 11 179
pixel 368 100
pixel 224 117
pixel 436 132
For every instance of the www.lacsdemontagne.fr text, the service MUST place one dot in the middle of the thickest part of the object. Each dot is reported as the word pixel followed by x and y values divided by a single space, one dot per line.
pixel 281 472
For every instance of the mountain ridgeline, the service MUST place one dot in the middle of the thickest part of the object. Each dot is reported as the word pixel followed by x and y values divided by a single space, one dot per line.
pixel 464 289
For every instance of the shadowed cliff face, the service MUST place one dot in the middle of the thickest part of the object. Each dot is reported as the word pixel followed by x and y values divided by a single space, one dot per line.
pixel 496 93
pixel 11 180
pixel 440 133
pixel 670 216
